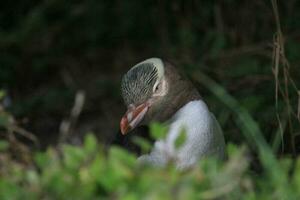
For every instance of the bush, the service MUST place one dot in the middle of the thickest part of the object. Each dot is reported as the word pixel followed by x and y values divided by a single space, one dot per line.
pixel 87 172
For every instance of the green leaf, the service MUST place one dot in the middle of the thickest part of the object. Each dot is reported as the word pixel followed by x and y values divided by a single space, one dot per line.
pixel 231 148
pixel 181 138
pixel 143 143
pixel 119 169
pixel 3 145
pixel 2 94
pixel 158 131
pixel 40 159
pixel 90 143
pixel 4 119
pixel 297 174
pixel 122 155
pixel 73 156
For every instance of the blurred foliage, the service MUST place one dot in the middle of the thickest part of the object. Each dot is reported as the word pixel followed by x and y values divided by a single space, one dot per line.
pixel 88 173
pixel 50 49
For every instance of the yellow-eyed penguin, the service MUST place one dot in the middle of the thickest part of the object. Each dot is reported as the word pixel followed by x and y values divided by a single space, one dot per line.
pixel 153 90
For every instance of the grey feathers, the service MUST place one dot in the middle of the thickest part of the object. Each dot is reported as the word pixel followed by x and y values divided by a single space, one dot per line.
pixel 138 82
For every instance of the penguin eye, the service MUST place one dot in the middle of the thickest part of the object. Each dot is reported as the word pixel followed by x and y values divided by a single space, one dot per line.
pixel 160 89
pixel 156 88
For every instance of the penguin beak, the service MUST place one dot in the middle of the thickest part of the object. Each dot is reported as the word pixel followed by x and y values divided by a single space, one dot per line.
pixel 133 117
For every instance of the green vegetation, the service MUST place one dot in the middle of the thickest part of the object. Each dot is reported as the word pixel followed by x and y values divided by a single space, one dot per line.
pixel 88 173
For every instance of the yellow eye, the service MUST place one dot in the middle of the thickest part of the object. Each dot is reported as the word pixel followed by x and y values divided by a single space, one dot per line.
pixel 156 89
pixel 160 88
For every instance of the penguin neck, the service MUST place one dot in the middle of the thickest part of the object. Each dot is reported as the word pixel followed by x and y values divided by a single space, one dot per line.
pixel 192 111
pixel 181 92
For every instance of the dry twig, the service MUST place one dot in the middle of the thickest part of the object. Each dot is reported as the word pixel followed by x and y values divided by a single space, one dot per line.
pixel 67 124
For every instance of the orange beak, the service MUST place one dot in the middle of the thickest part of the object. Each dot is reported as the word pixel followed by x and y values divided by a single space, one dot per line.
pixel 133 117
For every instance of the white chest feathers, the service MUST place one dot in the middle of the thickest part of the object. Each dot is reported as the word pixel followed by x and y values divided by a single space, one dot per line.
pixel 204 137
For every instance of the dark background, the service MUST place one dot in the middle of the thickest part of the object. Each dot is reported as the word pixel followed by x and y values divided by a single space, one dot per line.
pixel 51 49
